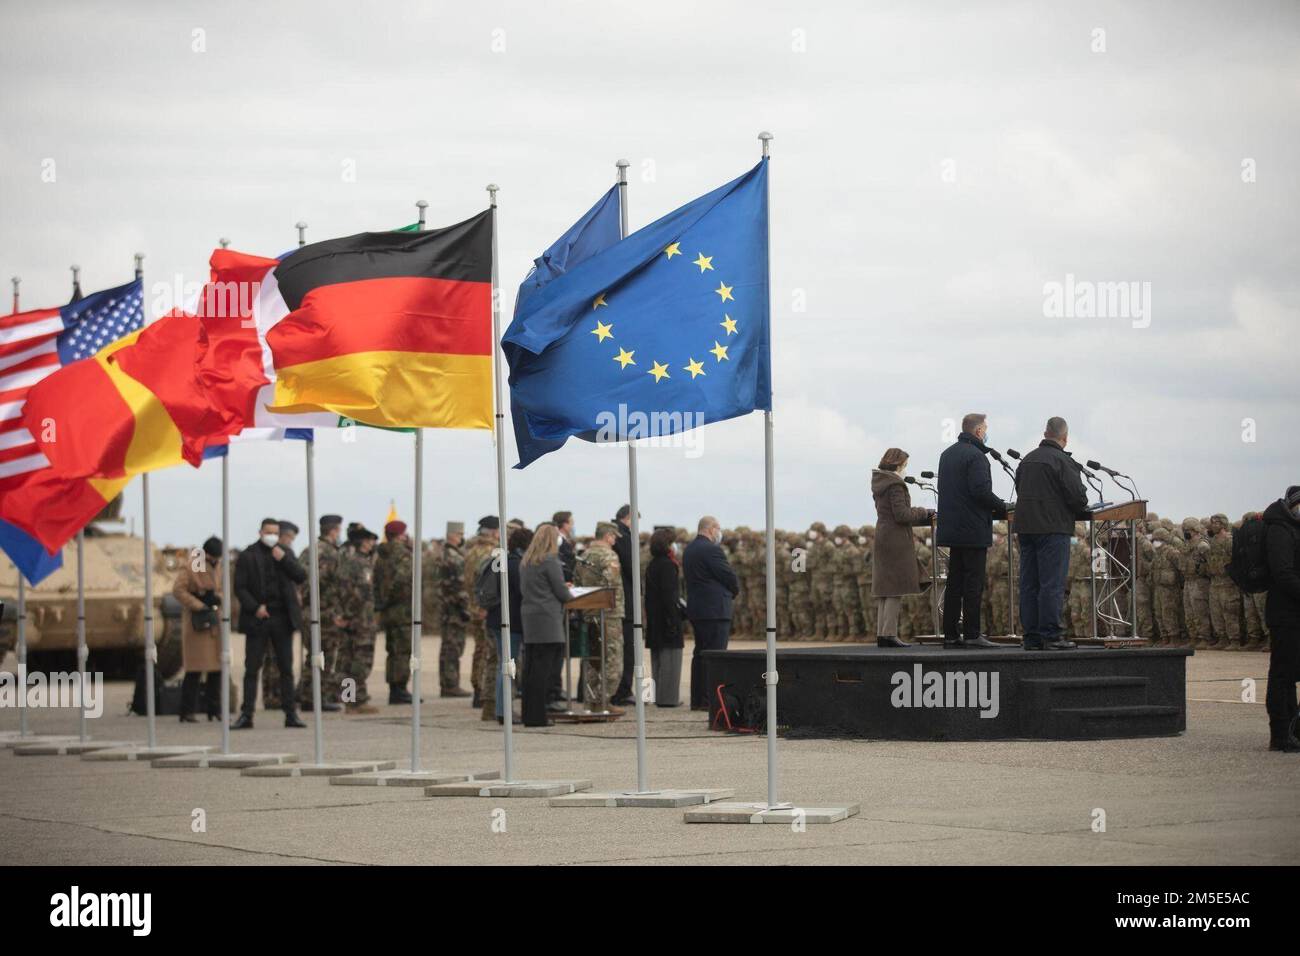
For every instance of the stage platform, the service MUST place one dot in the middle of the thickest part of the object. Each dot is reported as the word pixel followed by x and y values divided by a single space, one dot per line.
pixel 929 693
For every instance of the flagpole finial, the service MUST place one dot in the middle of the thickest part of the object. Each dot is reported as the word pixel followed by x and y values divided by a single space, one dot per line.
pixel 139 264
pixel 492 192
pixel 302 232
pixel 421 205
pixel 224 242
pixel 766 138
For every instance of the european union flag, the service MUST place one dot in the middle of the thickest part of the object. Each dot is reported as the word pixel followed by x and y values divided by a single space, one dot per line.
pixel 664 331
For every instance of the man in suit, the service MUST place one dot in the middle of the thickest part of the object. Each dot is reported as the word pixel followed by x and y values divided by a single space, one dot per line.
pixel 623 548
pixel 266 581
pixel 967 507
pixel 711 585
pixel 1050 497
pixel 563 521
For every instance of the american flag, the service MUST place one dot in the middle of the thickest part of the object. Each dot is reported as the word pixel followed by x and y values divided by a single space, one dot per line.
pixel 38 343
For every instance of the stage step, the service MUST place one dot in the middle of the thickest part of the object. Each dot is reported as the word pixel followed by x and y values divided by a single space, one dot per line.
pixel 1052 693
pixel 1093 723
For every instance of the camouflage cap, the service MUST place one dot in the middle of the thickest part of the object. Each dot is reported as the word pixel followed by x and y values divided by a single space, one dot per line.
pixel 818 527
pixel 843 531
pixel 455 527
pixel 1162 534
pixel 1221 518
pixel 605 527
pixel 1191 524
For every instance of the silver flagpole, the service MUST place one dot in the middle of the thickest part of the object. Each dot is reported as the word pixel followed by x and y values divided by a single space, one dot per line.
pixel 770 510
pixel 81 632
pixel 312 574
pixel 507 696
pixel 638 648
pixel 417 563
pixel 22 613
pixel 150 648
pixel 225 601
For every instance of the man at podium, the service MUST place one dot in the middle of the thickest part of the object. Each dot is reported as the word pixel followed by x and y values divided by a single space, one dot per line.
pixel 1050 496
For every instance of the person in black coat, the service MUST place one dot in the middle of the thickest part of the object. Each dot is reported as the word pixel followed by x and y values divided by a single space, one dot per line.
pixel 1050 497
pixel 1282 615
pixel 663 619
pixel 563 521
pixel 967 507
pixel 266 579
pixel 623 548
pixel 711 586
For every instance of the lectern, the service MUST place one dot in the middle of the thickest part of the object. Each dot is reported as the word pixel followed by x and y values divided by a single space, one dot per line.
pixel 1112 534
pixel 584 599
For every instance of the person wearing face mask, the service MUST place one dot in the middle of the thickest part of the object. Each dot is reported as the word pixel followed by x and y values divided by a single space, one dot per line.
pixel 1282 615
pixel 967 507
pixel 264 577
pixel 711 587
pixel 895 571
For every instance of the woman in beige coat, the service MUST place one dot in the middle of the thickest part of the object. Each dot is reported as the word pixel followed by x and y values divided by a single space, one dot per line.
pixel 894 570
pixel 199 592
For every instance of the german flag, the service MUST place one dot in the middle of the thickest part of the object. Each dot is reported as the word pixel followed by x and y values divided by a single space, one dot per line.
pixel 386 328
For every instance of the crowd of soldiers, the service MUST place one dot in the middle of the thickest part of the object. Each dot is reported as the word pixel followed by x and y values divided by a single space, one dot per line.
pixel 1185 597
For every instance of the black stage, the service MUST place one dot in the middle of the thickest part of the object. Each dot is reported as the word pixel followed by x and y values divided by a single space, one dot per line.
pixel 929 693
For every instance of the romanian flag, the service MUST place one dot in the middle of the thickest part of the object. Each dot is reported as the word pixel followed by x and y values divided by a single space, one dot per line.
pixel 385 328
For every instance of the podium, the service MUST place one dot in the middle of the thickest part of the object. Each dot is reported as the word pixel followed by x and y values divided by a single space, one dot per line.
pixel 1112 542
pixel 602 601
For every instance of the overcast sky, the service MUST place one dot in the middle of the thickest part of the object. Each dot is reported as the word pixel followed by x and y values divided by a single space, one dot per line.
pixel 934 170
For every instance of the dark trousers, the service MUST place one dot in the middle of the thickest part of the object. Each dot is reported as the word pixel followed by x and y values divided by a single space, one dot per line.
pixel 211 692
pixel 709 636
pixel 1283 672
pixel 277 633
pixel 555 682
pixel 629 656
pixel 965 589
pixel 540 662
pixel 1044 561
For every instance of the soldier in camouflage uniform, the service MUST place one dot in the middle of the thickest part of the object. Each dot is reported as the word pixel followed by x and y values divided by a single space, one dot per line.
pixel 454 613
pixel 821 567
pixel 802 619
pixel 1146 610
pixel 393 570
pixel 737 545
pixel 1256 631
pixel 998 590
pixel 1166 564
pixel 1225 598
pixel 1196 584
pixel 331 615
pixel 862 576
pixel 485 651
pixel 599 567
pixel 356 573
pixel 845 592
pixel 430 575
pixel 816 549
pixel 756 596
pixel 1080 577
pixel 784 617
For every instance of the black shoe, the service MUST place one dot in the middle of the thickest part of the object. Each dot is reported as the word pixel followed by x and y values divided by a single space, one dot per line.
pixel 891 642
pixel 398 694
pixel 557 707
pixel 954 644
pixel 1031 645
pixel 326 706
pixel 1287 746
pixel 291 720
pixel 980 641
pixel 623 700
pixel 476 701
pixel 1060 644
pixel 244 722
pixel 189 719
pixel 515 718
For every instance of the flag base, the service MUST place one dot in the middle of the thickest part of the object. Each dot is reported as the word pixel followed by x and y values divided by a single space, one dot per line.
pixel 138 752
pixel 650 798
pixel 408 778
pixel 514 788
pixel 14 738
pixel 336 768
pixel 73 747
pixel 240 761
pixel 784 814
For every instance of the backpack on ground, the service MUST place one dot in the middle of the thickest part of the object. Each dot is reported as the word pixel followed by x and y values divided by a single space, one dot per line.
pixel 487 584
pixel 1249 565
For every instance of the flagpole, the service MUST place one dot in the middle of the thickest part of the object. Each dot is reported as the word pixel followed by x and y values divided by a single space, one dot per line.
pixel 312 574
pixel 638 652
pixel 417 563
pixel 769 495
pixel 150 647
pixel 507 696
pixel 81 633
pixel 225 601
pixel 22 611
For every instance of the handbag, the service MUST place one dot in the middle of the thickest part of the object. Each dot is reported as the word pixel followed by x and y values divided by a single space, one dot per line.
pixel 204 620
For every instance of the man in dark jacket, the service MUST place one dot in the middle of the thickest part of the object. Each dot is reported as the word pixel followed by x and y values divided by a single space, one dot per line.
pixel 623 548
pixel 1050 497
pixel 711 585
pixel 555 700
pixel 967 507
pixel 266 581
pixel 1282 615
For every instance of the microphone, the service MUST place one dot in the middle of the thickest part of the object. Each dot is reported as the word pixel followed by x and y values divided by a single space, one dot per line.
pixel 993 453
pixel 1131 489
pixel 927 474
pixel 1012 453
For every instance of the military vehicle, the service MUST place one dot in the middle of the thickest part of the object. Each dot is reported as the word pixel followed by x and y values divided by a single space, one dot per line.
pixel 114 576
